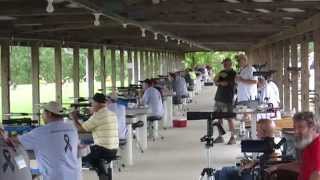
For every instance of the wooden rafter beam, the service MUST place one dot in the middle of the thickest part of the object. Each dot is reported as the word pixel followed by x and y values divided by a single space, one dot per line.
pixel 223 6
pixel 89 5
pixel 306 26
pixel 203 14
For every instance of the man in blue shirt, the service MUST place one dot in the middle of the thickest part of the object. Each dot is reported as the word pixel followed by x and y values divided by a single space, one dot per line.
pixel 152 98
pixel 55 145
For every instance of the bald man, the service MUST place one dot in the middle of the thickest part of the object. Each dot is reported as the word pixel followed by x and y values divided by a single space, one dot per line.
pixel 265 130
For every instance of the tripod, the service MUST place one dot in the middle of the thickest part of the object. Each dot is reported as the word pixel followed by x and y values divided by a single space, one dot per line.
pixel 208 139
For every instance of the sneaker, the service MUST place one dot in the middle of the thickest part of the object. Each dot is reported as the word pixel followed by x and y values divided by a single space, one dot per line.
pixel 232 140
pixel 219 139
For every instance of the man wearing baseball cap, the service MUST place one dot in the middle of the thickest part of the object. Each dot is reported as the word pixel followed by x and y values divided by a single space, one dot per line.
pixel 55 145
pixel 104 128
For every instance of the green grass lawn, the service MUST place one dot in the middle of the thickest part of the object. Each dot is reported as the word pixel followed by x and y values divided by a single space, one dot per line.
pixel 21 95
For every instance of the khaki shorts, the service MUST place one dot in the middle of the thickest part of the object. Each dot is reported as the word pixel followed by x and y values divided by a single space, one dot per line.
pixel 223 107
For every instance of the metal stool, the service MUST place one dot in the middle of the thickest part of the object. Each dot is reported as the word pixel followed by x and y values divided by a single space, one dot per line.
pixel 106 165
pixel 122 143
pixel 136 125
pixel 153 123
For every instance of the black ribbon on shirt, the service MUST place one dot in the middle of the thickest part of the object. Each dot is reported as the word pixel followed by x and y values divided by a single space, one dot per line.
pixel 8 163
pixel 68 145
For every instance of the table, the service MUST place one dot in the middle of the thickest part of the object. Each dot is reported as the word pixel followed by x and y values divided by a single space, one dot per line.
pixel 253 121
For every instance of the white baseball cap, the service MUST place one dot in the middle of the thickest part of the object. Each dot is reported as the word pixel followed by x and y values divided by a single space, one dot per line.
pixel 53 107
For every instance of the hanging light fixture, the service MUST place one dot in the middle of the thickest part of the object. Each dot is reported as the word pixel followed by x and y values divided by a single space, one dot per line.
pixel 155 1
pixel 156 36
pixel 143 32
pixel 96 21
pixel 50 7
pixel 166 38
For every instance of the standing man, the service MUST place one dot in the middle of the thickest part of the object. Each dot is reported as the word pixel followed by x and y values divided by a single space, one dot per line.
pixel 153 99
pixel 247 83
pixel 104 128
pixel 179 85
pixel 55 145
pixel 308 143
pixel 225 80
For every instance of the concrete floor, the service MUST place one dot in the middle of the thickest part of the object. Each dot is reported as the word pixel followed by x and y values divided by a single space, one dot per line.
pixel 180 155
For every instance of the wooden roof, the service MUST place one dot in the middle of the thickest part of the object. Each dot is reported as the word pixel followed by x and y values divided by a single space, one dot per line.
pixel 196 24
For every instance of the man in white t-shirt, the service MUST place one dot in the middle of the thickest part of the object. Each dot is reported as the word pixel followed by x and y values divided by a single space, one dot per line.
pixel 269 93
pixel 246 82
pixel 153 99
pixel 55 145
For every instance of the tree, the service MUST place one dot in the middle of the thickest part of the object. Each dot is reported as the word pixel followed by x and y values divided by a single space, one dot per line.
pixel 213 59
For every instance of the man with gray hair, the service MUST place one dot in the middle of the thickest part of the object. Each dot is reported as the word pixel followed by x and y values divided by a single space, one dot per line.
pixel 308 143
pixel 55 145
pixel 247 83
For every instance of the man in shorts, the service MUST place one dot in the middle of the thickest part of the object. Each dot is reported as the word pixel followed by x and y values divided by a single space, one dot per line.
pixel 225 81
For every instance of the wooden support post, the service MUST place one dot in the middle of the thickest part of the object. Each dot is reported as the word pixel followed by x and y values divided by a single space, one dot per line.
pixel 152 64
pixel 304 76
pixel 76 74
pixel 164 63
pixel 58 73
pixel 274 59
pixel 113 71
pixel 5 79
pixel 130 67
pixel 316 40
pixel 151 61
pixel 169 64
pixel 136 67
pixel 160 62
pixel 157 63
pixel 103 69
pixel 35 82
pixel 174 62
pixel 142 64
pixel 279 68
pixel 287 94
pixel 269 55
pixel 91 71
pixel 294 75
pixel 147 64
pixel 121 68
pixel 148 61
pixel 316 37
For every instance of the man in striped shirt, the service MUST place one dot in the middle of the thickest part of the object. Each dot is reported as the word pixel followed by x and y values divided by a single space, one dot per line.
pixel 104 128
